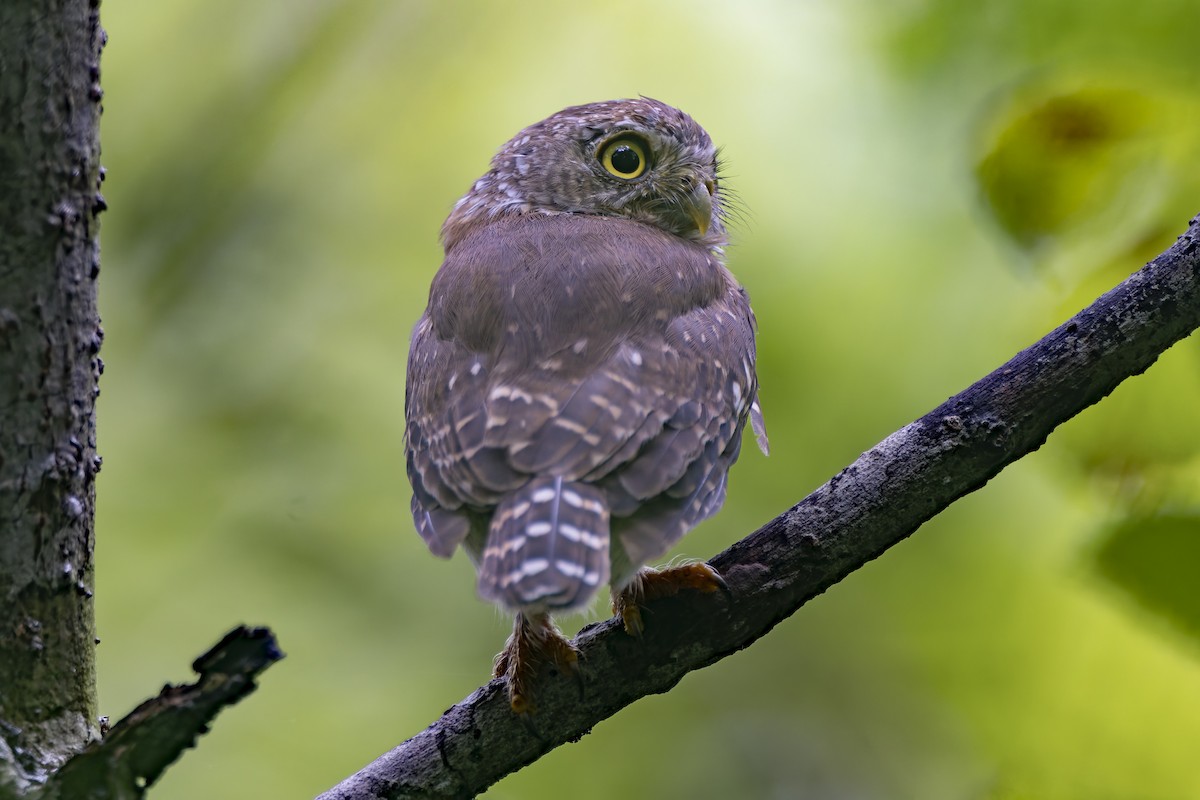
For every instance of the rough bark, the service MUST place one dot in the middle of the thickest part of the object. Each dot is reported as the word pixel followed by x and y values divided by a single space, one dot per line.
pixel 866 508
pixel 51 745
pixel 49 368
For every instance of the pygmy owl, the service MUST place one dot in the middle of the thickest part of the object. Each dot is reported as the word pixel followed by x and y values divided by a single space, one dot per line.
pixel 578 385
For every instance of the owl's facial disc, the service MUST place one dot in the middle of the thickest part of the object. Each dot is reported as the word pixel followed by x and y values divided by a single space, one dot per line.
pixel 655 178
pixel 639 159
pixel 681 200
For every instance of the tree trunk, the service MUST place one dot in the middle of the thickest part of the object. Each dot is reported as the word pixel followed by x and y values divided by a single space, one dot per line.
pixel 49 368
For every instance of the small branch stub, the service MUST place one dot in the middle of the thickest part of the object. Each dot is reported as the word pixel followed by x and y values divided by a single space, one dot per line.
pixel 134 753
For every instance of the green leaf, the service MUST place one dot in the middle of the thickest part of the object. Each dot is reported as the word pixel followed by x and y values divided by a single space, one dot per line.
pixel 1153 560
pixel 1057 162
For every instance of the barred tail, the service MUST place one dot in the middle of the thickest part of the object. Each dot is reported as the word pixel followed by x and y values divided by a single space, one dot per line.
pixel 547 547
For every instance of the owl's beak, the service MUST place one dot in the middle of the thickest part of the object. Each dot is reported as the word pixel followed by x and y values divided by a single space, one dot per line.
pixel 698 205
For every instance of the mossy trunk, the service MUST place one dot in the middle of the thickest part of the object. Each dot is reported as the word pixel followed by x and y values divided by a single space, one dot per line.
pixel 49 369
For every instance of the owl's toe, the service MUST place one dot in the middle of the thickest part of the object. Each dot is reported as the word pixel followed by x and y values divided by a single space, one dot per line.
pixel 625 606
pixel 696 577
pixel 535 642
pixel 651 584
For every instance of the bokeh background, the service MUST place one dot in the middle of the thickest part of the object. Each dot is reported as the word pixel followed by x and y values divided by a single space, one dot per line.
pixel 928 186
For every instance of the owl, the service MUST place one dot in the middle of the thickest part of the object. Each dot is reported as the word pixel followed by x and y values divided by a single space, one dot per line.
pixel 579 382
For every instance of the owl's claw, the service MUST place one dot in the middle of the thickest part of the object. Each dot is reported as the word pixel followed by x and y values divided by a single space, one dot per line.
pixel 535 642
pixel 627 609
pixel 650 584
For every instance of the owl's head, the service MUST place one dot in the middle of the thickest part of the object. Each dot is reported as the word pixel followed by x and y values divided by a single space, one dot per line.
pixel 639 159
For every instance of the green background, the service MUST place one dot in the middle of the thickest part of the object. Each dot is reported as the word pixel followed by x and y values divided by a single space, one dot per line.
pixel 928 187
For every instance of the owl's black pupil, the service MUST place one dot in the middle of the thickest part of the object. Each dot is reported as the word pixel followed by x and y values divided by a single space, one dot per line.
pixel 626 160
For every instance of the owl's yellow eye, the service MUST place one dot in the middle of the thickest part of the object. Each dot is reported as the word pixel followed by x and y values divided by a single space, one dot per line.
pixel 625 157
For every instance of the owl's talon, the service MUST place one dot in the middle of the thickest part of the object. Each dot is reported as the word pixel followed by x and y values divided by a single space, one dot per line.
pixel 650 584
pixel 697 577
pixel 534 643
pixel 625 607
pixel 721 585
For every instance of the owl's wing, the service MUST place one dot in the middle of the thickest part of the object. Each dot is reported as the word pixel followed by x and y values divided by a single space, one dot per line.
pixel 646 401
pixel 677 478
pixel 449 468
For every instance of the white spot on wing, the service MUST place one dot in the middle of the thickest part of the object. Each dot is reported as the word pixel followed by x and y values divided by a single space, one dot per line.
pixel 569 569
pixel 511 392
pixel 535 566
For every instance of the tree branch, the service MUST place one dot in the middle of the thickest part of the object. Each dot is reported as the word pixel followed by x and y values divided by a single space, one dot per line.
pixel 150 738
pixel 866 508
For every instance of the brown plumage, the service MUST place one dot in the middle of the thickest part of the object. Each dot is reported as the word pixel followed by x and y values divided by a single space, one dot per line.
pixel 578 385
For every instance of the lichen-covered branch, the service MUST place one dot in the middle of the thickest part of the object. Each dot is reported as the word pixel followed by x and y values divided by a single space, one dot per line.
pixel 866 508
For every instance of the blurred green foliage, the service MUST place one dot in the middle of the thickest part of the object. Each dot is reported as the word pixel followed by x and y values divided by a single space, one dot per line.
pixel 1061 161
pixel 929 186
pixel 1155 559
